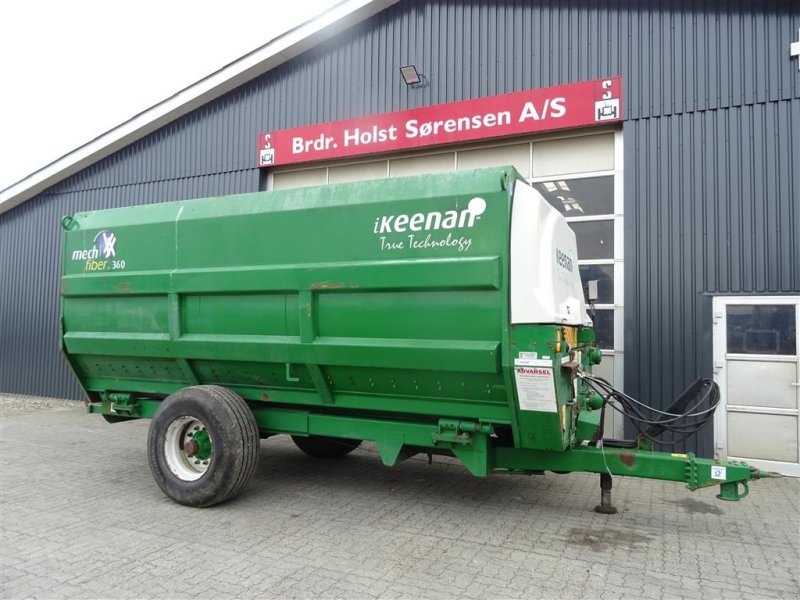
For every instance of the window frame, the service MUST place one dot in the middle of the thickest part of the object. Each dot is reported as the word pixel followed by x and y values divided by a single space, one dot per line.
pixel 617 260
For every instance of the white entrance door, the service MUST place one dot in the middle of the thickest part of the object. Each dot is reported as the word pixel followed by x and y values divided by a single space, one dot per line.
pixel 757 368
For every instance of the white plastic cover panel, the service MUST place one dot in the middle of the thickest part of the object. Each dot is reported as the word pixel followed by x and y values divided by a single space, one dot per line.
pixel 545 281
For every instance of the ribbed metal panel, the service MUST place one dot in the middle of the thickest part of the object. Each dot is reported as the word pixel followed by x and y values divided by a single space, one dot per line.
pixel 30 267
pixel 675 58
pixel 712 206
pixel 711 192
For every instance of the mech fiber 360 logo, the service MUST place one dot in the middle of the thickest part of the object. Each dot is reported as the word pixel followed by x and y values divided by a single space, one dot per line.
pixel 103 247
pixel 414 226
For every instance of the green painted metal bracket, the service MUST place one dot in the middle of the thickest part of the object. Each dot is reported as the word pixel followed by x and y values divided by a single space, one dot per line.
pixel 122 404
pixel 730 490
pixel 174 316
pixel 588 424
pixel 319 382
pixel 68 222
pixel 389 443
pixel 191 376
pixel 308 316
pixel 454 431
pixel 691 471
pixel 477 456
pixel 115 405
pixel 451 437
pixel 468 440
pixel 289 377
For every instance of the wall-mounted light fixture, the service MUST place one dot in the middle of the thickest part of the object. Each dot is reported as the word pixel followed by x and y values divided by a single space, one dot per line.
pixel 410 75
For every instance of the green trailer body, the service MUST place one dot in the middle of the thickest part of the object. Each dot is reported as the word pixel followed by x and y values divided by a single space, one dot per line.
pixel 418 313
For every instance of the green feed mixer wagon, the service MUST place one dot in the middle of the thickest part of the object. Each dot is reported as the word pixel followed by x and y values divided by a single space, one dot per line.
pixel 441 314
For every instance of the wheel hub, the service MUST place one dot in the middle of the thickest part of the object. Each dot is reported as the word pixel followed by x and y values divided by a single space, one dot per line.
pixel 187 448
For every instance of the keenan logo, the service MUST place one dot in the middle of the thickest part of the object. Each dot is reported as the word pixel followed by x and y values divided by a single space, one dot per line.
pixel 433 220
pixel 564 260
pixel 415 226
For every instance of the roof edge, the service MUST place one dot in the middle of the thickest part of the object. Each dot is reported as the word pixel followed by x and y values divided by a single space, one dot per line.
pixel 272 54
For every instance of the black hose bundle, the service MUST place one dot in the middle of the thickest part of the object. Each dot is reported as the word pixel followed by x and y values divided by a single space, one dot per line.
pixel 688 414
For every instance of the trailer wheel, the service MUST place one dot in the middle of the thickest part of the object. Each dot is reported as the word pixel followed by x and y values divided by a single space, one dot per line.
pixel 203 445
pixel 325 447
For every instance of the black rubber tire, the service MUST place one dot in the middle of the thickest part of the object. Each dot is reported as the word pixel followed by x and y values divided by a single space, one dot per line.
pixel 235 444
pixel 325 447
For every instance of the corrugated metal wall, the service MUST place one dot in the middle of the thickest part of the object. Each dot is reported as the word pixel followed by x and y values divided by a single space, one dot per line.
pixel 30 267
pixel 675 58
pixel 712 204
pixel 711 193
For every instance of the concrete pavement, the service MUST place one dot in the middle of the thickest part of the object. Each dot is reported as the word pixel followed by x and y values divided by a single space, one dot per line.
pixel 81 517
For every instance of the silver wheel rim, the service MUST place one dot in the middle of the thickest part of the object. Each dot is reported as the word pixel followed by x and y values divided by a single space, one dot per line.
pixel 179 433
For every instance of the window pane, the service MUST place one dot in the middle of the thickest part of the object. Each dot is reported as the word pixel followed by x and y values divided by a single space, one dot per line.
pixel 762 329
pixel 604 328
pixel 604 274
pixel 595 239
pixel 579 197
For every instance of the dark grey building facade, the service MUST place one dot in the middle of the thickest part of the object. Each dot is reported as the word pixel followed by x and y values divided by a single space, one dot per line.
pixel 710 143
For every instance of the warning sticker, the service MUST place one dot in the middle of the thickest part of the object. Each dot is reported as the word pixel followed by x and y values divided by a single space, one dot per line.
pixel 718 472
pixel 535 387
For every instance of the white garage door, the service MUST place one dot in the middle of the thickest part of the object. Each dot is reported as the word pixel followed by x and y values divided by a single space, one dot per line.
pixel 757 367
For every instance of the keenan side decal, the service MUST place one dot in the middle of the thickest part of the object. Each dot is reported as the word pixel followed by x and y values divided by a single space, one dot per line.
pixel 424 230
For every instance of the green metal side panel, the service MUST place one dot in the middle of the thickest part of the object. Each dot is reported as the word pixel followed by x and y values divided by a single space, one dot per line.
pixel 387 296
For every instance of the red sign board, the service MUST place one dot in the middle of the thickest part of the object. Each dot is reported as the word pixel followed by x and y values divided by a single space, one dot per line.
pixel 546 109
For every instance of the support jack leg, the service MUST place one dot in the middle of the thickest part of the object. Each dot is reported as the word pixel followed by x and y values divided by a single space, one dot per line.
pixel 730 490
pixel 605 507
